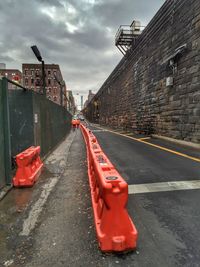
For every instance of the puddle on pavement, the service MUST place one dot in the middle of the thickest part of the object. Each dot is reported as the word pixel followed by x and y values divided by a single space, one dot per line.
pixel 12 206
pixel 15 202
pixel 18 199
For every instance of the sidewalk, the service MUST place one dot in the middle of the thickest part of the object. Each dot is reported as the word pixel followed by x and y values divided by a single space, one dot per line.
pixel 51 224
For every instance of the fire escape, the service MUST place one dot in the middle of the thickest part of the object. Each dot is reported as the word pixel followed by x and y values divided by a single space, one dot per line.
pixel 126 36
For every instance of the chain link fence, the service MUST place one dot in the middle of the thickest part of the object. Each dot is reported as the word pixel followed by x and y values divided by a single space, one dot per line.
pixel 27 118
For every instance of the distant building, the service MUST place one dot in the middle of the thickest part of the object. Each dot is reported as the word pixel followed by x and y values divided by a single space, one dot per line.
pixel 32 79
pixel 65 98
pixel 90 96
pixel 71 102
pixel 2 66
pixel 11 74
pixel 85 104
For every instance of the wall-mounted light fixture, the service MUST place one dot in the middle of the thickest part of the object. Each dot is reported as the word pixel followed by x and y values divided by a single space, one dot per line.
pixel 172 60
pixel 172 63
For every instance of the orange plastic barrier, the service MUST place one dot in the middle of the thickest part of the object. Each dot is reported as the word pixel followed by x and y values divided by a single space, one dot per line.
pixel 109 192
pixel 75 123
pixel 29 167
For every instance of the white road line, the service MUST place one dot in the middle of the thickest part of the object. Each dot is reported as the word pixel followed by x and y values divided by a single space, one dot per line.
pixel 96 131
pixel 163 186
pixel 30 222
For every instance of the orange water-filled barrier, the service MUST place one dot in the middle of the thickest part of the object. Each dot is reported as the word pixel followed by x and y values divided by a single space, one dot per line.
pixel 29 167
pixel 109 192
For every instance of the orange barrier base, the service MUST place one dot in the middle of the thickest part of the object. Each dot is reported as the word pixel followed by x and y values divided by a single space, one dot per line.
pixel 27 182
pixel 29 167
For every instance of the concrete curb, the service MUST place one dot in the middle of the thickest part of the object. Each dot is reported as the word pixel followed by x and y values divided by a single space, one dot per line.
pixel 176 141
pixel 4 191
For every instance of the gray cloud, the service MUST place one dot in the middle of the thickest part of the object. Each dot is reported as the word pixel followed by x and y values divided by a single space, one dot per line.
pixel 76 34
pixel 56 3
pixel 117 12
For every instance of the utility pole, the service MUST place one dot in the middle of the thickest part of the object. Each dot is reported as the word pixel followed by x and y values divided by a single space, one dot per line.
pixel 39 58
pixel 81 102
pixel 43 78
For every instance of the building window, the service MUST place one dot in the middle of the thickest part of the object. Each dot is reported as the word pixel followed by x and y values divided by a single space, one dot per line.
pixel 50 90
pixel 26 81
pixel 49 72
pixel 37 83
pixel 32 72
pixel 55 82
pixel 32 81
pixel 37 73
pixel 26 72
pixel 55 72
pixel 55 90
pixel 49 82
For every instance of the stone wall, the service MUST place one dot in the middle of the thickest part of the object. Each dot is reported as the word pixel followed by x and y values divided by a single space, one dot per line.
pixel 136 97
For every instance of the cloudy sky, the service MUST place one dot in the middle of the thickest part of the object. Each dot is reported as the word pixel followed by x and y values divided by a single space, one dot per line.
pixel 76 34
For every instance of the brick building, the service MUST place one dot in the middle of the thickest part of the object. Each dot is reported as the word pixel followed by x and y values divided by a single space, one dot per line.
pixel 71 107
pixel 32 79
pixel 13 75
pixel 155 88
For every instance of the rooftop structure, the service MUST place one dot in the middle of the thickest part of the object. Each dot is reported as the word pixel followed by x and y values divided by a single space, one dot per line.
pixel 126 36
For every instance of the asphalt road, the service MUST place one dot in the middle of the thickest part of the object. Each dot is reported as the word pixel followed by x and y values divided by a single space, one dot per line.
pixel 51 224
pixel 167 221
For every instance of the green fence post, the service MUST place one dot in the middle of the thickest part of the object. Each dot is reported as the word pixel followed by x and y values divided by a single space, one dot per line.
pixel 6 120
